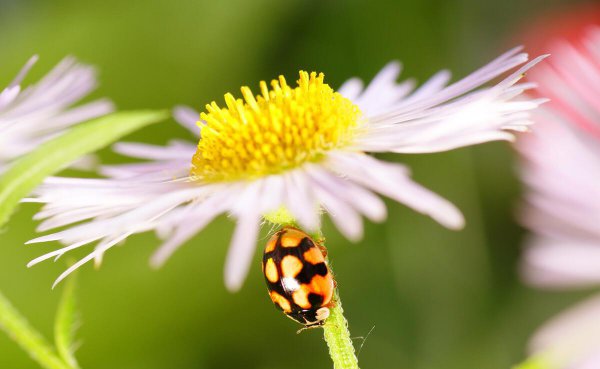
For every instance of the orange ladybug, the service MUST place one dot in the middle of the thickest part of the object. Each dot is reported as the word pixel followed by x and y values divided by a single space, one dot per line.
pixel 298 277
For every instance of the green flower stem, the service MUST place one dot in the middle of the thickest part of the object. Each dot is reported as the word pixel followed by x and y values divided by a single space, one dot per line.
pixel 31 341
pixel 338 338
pixel 335 329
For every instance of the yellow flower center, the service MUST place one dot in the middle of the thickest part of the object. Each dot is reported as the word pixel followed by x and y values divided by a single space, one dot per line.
pixel 278 130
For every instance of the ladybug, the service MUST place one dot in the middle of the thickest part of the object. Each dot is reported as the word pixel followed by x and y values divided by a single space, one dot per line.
pixel 298 278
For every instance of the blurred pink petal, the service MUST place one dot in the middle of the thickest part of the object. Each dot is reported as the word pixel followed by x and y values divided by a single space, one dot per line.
pixel 561 171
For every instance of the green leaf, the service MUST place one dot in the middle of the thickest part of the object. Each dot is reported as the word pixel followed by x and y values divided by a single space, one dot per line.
pixel 27 172
pixel 28 338
pixel 66 324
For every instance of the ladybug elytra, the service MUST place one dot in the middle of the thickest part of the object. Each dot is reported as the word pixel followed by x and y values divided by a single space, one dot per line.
pixel 298 278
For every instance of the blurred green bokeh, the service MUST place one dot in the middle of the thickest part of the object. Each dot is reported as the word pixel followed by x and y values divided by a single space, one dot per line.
pixel 437 298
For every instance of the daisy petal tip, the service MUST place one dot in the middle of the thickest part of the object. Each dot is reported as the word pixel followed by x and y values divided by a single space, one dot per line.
pixel 37 260
pixel 98 262
pixel 180 108
pixel 536 60
pixel 357 238
pixel 395 66
pixel 31 263
pixel 455 222
pixel 157 261
pixel 311 226
pixel 516 50
pixel 459 226
pixel 30 200
pixel 60 279
pixel 182 111
pixel 154 264
pixel 43 227
pixel 42 239
pixel 380 216
pixel 354 236
pixel 233 285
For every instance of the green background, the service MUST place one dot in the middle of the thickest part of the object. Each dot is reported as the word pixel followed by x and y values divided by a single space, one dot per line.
pixel 436 298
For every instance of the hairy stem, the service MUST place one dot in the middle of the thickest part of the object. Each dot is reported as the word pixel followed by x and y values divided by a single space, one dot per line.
pixel 30 340
pixel 338 338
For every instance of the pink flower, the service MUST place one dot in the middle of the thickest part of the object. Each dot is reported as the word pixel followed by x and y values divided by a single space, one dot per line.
pixel 561 169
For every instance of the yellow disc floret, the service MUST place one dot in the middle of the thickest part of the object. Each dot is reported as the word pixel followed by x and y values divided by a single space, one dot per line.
pixel 278 130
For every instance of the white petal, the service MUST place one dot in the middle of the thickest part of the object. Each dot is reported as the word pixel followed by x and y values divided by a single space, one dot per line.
pixel 383 91
pixel 72 268
pixel 437 118
pixel 241 251
pixel 175 150
pixel 23 72
pixel 167 162
pixel 153 205
pixel 78 114
pixel 451 143
pixel 188 118
pixel 273 193
pixel 7 96
pixel 35 114
pixel 351 88
pixel 358 197
pixel 61 251
pixel 384 80
pixel 98 251
pixel 393 181
pixel 346 219
pixel 434 85
pixel 300 199
pixel 193 219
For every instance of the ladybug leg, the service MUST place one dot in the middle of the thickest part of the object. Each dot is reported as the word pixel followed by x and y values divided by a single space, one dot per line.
pixel 310 326
pixel 302 330
pixel 323 249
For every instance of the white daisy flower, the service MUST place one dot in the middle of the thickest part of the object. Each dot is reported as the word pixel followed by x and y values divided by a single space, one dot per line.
pixel 561 169
pixel 41 111
pixel 300 148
